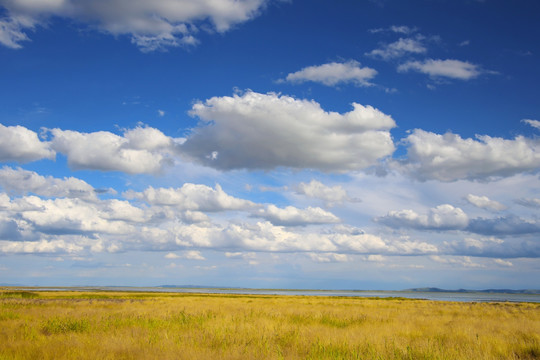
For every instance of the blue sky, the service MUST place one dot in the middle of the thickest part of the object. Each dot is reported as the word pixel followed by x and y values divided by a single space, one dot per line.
pixel 263 143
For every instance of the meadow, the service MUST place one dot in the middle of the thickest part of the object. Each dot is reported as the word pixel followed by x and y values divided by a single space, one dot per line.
pixel 126 325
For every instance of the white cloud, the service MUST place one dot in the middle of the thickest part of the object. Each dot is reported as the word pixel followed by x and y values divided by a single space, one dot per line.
pixel 240 255
pixel 114 225
pixel 402 29
pixel 449 157
pixel 484 202
pixel 171 256
pixel 534 123
pixel 264 236
pixel 293 216
pixel 375 258
pixel 189 216
pixel 17 143
pixel 265 131
pixel 39 247
pixel 11 32
pixel 462 261
pixel 21 181
pixel 65 216
pixel 147 138
pixel 192 197
pixel 400 48
pixel 442 217
pixel 503 262
pixel 447 218
pixel 123 211
pixel 161 113
pixel 454 69
pixel 192 255
pixel 334 73
pixel 32 218
pixel 331 195
pixel 151 24
pixel 139 150
pixel 328 257
pixel 473 246
pixel 493 247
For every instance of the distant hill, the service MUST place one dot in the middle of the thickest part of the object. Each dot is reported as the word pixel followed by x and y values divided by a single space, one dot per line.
pixel 487 291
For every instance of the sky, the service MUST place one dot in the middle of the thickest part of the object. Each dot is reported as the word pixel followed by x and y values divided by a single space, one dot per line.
pixel 349 144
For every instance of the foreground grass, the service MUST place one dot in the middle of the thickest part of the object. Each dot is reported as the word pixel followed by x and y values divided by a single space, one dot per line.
pixel 122 325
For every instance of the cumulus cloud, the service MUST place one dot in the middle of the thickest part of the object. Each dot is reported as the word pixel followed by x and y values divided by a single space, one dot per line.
pixel 240 255
pixel 192 197
pixel 447 217
pixel 493 247
pixel 334 73
pixel 139 150
pixel 400 48
pixel 328 257
pixel 293 216
pixel 534 123
pixel 449 157
pixel 20 144
pixel 473 246
pixel 192 255
pixel 39 247
pixel 37 218
pixel 265 131
pixel 331 195
pixel 69 216
pixel 9 230
pixel 150 24
pixel 120 210
pixel 266 237
pixel 442 217
pixel 375 258
pixel 21 181
pixel 114 225
pixel 503 262
pixel 484 202
pixel 454 69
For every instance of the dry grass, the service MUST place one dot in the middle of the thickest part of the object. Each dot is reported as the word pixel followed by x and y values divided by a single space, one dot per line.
pixel 121 325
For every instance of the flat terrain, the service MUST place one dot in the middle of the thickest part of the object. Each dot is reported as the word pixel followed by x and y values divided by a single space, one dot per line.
pixel 126 325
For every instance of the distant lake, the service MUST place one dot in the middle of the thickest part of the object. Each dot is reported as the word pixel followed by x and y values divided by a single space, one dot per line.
pixel 437 296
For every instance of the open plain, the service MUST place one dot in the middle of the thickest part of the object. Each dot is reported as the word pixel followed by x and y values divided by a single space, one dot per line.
pixel 127 325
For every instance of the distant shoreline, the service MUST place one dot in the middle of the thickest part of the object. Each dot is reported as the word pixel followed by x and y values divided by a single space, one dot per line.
pixel 229 288
pixel 433 294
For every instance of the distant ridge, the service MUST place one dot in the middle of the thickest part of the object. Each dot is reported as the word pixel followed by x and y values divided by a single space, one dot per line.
pixel 198 287
pixel 424 289
pixel 487 291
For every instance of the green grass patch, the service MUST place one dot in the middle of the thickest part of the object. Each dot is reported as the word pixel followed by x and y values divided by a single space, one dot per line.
pixel 64 325
pixel 19 294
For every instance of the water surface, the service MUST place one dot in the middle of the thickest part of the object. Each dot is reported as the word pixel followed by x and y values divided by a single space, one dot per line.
pixel 428 295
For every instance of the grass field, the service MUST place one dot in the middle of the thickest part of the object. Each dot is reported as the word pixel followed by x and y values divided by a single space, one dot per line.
pixel 125 325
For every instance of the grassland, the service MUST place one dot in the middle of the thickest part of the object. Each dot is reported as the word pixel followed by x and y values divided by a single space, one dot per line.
pixel 123 325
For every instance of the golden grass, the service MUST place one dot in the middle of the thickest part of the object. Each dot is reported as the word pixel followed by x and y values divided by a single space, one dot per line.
pixel 123 325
